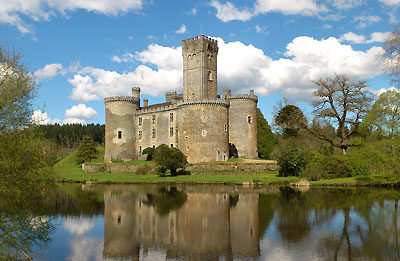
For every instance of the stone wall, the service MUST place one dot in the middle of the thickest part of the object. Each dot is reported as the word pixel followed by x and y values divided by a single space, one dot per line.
pixel 233 166
pixel 116 167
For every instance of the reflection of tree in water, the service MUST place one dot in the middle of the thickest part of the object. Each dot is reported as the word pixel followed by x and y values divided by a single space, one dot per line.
pixel 265 212
pixel 23 226
pixel 166 200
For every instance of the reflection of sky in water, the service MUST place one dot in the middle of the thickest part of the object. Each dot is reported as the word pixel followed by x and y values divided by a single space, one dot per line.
pixel 77 238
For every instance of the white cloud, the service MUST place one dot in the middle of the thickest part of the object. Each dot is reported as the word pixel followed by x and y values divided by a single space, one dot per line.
pixel 392 18
pixel 126 57
pixel 12 11
pixel 360 39
pixel 42 118
pixel 390 2
pixel 86 248
pixel 289 7
pixel 73 121
pixel 383 90
pixel 78 226
pixel 193 11
pixel 48 71
pixel 364 21
pixel 327 26
pixel 181 30
pixel 345 4
pixel 228 12
pixel 262 29
pixel 240 67
pixel 80 111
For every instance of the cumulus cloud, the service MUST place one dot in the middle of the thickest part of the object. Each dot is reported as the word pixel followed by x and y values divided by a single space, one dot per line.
pixel 86 248
pixel 48 71
pixel 360 39
pixel 80 111
pixel 12 11
pixel 228 11
pixel 181 30
pixel 240 67
pixel 42 118
pixel 390 2
pixel 383 90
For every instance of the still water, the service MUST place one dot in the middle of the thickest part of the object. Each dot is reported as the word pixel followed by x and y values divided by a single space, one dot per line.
pixel 131 222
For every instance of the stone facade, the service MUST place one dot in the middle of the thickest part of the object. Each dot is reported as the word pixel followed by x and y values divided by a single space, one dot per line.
pixel 198 122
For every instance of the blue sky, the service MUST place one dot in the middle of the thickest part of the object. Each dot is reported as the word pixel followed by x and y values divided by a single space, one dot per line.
pixel 83 51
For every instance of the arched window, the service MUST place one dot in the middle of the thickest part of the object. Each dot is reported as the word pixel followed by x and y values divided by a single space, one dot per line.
pixel 210 76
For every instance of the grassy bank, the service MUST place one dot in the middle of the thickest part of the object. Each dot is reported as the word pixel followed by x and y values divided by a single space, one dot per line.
pixel 68 171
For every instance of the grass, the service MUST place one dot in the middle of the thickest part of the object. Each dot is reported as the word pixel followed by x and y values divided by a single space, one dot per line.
pixel 67 170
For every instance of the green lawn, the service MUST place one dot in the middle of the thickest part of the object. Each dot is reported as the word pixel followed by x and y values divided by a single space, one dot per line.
pixel 67 170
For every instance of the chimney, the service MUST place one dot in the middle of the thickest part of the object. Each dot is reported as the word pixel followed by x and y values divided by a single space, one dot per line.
pixel 145 102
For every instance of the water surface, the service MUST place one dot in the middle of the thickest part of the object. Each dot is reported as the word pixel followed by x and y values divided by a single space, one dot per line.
pixel 222 223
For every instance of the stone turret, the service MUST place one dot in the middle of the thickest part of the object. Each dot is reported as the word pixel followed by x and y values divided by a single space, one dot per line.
pixel 243 123
pixel 200 68
pixel 120 127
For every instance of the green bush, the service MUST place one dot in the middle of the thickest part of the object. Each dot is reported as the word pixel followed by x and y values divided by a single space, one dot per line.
pixel 149 151
pixel 87 150
pixel 291 161
pixel 337 166
pixel 169 158
pixel 144 169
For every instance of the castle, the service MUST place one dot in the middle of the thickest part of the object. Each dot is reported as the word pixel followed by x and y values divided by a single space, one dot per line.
pixel 198 122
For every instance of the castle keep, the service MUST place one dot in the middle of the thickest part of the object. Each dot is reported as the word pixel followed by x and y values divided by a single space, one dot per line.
pixel 201 124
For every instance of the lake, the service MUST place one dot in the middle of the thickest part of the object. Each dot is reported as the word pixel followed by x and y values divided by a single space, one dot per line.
pixel 151 222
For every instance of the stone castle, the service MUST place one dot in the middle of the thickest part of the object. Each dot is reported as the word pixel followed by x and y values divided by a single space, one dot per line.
pixel 201 124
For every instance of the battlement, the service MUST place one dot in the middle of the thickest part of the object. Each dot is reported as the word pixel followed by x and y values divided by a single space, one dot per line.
pixel 201 37
pixel 123 99
pixel 199 44
pixel 154 108
pixel 209 102
pixel 242 97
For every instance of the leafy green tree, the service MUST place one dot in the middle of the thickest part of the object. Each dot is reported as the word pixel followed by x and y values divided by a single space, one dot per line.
pixel 291 160
pixel 166 201
pixel 265 138
pixel 87 150
pixel 384 116
pixel 290 119
pixel 340 101
pixel 169 158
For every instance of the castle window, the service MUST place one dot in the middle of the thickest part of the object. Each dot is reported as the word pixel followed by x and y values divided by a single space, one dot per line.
pixel 119 134
pixel 140 134
pixel 226 128
pixel 153 133
pixel 172 145
pixel 154 146
pixel 210 76
pixel 171 131
pixel 140 149
pixel 249 119
pixel 140 121
pixel 153 118
pixel 171 117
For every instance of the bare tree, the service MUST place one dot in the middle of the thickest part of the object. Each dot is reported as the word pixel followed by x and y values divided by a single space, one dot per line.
pixel 392 54
pixel 343 103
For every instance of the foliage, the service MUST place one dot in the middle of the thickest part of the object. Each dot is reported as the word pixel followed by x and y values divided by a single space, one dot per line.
pixel 144 169
pixel 392 54
pixel 343 102
pixel 169 158
pixel 69 135
pixel 384 116
pixel 291 161
pixel 290 119
pixel 149 151
pixel 166 201
pixel 17 88
pixel 265 138
pixel 86 150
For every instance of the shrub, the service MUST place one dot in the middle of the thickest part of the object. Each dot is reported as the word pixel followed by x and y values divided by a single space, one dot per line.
pixel 291 161
pixel 86 150
pixel 337 166
pixel 169 158
pixel 149 151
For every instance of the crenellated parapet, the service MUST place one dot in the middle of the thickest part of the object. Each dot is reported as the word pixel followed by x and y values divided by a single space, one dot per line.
pixel 157 109
pixel 242 97
pixel 204 102
pixel 123 99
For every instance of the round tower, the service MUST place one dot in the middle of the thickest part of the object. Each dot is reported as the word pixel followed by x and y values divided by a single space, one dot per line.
pixel 243 124
pixel 203 130
pixel 120 128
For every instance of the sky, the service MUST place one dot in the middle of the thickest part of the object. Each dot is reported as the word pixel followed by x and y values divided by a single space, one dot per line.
pixel 83 51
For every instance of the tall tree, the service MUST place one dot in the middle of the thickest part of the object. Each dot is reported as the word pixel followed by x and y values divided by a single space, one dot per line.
pixel 265 138
pixel 86 150
pixel 290 119
pixel 343 103
pixel 392 54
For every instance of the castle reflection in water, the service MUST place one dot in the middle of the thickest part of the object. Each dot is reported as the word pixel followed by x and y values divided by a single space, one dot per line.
pixel 210 225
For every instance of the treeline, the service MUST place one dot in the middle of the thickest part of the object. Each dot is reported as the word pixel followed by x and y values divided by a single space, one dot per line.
pixel 69 135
